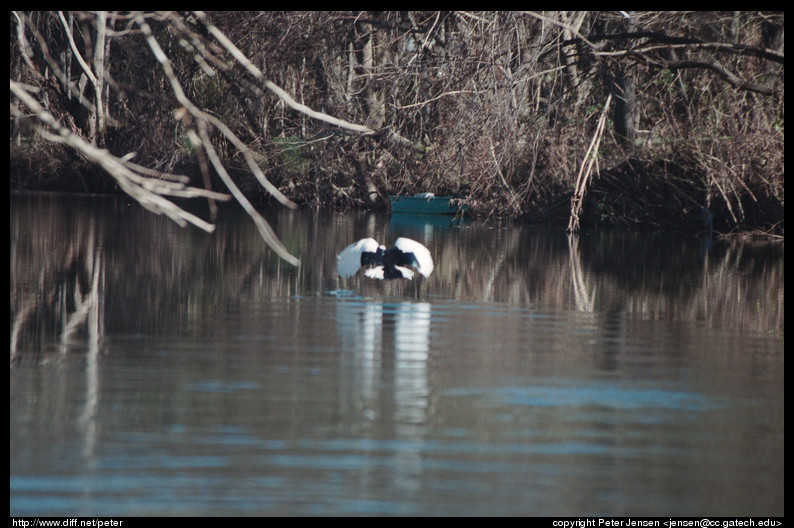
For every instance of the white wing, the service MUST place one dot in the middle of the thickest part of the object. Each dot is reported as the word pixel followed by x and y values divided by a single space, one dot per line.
pixel 379 273
pixel 423 258
pixel 348 261
pixel 374 273
pixel 407 272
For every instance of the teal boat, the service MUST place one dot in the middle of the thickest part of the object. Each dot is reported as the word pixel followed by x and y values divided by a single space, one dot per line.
pixel 426 203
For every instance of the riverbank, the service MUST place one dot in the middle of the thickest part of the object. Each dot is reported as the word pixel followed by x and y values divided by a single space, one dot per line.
pixel 631 195
pixel 516 114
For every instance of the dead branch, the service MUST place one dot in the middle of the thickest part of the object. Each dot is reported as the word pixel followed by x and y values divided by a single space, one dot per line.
pixel 148 192
pixel 283 95
pixel 590 157
pixel 202 119
pixel 709 64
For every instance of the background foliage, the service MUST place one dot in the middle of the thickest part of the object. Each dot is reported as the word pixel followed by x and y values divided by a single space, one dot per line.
pixel 497 108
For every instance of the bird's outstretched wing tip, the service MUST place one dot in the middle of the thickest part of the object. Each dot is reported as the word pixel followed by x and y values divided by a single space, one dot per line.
pixel 348 262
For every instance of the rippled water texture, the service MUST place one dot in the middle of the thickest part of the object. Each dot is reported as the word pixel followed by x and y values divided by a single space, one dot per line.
pixel 163 371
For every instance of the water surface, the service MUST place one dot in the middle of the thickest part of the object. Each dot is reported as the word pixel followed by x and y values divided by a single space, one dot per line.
pixel 164 371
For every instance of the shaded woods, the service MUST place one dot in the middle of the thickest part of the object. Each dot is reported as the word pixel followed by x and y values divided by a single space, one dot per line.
pixel 661 119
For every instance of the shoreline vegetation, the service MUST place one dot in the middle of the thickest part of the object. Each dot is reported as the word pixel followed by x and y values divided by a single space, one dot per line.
pixel 664 120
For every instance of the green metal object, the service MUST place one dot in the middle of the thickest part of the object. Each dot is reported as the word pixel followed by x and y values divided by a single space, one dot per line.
pixel 426 203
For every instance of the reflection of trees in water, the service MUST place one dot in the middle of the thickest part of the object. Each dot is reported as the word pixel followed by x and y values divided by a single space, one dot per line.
pixel 662 275
pixel 79 270
pixel 102 261
pixel 63 304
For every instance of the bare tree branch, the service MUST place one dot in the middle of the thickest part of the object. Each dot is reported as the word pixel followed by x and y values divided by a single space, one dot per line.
pixel 283 95
pixel 202 119
pixel 145 190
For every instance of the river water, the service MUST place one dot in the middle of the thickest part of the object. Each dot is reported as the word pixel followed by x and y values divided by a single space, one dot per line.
pixel 157 370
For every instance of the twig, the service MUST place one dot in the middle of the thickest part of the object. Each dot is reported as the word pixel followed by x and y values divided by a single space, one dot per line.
pixel 202 119
pixel 590 157
pixel 145 190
